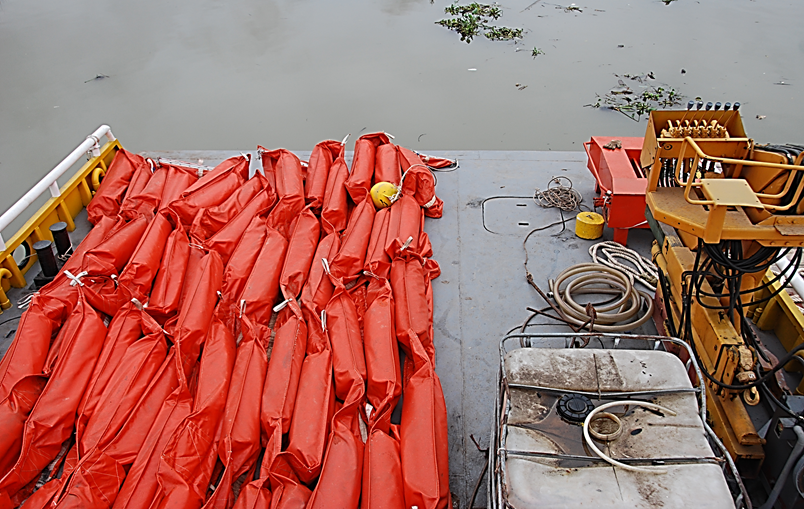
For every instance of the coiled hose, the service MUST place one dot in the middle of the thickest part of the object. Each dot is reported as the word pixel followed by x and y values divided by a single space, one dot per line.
pixel 623 314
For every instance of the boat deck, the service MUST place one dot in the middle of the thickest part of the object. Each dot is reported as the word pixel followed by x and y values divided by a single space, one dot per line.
pixel 482 291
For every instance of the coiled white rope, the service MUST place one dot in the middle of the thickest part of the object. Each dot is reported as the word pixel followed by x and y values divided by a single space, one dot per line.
pixel 608 459
pixel 638 268
pixel 630 309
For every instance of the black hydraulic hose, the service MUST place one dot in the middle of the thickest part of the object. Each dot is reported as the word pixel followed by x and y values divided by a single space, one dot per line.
pixel 687 322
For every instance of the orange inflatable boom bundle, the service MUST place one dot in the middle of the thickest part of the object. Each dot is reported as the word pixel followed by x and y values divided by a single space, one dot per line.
pixel 234 340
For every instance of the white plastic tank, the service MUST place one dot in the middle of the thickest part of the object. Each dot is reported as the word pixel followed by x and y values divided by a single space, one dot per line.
pixel 543 461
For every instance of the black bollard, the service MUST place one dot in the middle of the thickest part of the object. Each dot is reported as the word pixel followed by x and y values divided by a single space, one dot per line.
pixel 47 259
pixel 61 237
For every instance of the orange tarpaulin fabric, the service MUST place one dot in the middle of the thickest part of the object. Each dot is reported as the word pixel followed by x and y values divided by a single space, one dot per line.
pixel 309 426
pixel 252 357
pixel 134 350
pixel 165 185
pixel 245 255
pixel 359 182
pixel 283 170
pixel 163 301
pixel 187 461
pixel 383 486
pixel 240 434
pixel 52 417
pixel 315 185
pixel 387 167
pixel 209 220
pixel 211 190
pixel 115 185
pixel 335 209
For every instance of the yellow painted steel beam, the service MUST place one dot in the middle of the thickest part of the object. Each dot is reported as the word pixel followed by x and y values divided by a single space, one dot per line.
pixel 75 195
pixel 718 344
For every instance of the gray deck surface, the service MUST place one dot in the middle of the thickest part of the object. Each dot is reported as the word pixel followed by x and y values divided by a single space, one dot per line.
pixel 482 291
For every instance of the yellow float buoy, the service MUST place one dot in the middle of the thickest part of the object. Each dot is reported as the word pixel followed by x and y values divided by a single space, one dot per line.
pixel 382 194
pixel 589 225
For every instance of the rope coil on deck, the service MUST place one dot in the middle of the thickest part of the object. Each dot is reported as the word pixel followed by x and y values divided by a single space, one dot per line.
pixel 612 254
pixel 558 195
pixel 620 315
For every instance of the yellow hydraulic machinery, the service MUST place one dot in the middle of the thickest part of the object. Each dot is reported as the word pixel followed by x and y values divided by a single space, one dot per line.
pixel 729 209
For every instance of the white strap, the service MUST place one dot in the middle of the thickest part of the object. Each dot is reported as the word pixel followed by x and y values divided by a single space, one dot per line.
pixel 371 274
pixel 75 280
pixel 279 307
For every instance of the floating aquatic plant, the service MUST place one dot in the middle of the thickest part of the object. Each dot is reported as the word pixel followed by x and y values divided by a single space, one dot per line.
pixel 503 33
pixel 472 19
pixel 634 104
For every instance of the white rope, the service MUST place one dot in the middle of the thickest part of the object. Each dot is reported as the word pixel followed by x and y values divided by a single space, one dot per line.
pixel 279 307
pixel 609 459
pixel 639 268
pixel 75 279
pixel 398 193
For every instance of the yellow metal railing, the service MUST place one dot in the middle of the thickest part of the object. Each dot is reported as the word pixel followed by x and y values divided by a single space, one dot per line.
pixel 699 154
pixel 70 200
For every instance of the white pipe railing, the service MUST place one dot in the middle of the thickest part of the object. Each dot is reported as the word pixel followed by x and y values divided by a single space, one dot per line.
pixel 50 180
pixel 795 280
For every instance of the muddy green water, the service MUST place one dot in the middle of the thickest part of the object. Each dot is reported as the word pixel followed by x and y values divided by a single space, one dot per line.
pixel 214 75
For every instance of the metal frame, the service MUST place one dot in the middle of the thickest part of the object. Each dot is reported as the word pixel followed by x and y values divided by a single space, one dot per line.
pixel 495 497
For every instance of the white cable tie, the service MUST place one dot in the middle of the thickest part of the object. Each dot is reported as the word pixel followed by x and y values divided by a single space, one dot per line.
pixel 324 320
pixel 363 429
pixel 279 307
pixel 255 164
pixel 220 295
pixel 346 138
pixel 370 274
pixel 389 135
pixel 242 307
pixel 325 263
pixel 430 203
pixel 407 243
pixel 75 280
pixel 137 304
